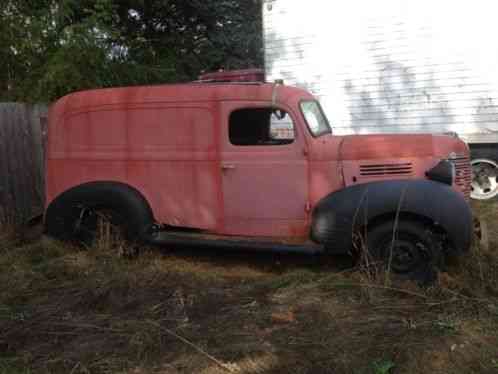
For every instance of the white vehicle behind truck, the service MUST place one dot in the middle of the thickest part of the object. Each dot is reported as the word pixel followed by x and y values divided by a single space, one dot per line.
pixel 395 67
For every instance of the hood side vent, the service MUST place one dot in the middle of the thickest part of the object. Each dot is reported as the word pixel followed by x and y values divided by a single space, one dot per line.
pixel 379 170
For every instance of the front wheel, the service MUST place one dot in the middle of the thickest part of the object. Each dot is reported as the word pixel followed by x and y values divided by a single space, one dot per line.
pixel 408 249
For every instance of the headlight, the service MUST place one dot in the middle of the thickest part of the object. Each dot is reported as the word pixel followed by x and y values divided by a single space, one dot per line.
pixel 443 172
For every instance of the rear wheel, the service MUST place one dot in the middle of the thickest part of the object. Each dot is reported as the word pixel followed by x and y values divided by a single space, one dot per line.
pixel 78 214
pixel 409 249
pixel 97 225
pixel 89 225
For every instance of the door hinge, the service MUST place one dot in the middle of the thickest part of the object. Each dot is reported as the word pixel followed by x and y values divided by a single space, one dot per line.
pixel 307 207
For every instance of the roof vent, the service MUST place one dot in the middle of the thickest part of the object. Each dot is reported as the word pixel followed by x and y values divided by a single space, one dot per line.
pixel 247 75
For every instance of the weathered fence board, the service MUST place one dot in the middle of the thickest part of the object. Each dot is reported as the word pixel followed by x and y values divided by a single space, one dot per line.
pixel 21 160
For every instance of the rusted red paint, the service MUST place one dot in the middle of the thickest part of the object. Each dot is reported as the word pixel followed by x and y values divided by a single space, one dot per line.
pixel 171 143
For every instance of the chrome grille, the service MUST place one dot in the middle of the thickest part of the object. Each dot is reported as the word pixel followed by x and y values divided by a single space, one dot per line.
pixel 386 169
pixel 463 174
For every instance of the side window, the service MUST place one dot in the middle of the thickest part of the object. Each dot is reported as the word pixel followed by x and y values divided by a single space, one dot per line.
pixel 260 126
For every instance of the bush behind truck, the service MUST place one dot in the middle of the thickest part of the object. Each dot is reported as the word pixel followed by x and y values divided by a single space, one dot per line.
pixel 207 163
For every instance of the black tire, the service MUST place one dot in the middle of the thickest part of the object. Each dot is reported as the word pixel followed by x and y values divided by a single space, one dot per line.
pixel 73 216
pixel 414 254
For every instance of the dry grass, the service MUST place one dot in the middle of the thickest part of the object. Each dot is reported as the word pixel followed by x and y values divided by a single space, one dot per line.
pixel 67 310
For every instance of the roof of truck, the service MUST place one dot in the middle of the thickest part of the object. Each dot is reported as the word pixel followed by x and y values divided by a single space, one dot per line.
pixel 181 93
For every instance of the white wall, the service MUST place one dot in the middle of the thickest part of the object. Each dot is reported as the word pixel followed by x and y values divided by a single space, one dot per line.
pixel 390 66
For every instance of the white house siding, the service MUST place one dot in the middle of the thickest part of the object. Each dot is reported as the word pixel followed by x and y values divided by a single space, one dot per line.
pixel 390 66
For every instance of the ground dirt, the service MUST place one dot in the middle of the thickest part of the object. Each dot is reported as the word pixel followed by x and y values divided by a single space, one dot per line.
pixel 68 310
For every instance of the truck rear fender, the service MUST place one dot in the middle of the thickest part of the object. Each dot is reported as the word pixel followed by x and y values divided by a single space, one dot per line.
pixel 120 197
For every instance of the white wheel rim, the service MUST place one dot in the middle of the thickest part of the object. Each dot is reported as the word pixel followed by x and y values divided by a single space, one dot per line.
pixel 484 179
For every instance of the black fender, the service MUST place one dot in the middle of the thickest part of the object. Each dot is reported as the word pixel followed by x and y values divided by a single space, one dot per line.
pixel 119 197
pixel 337 215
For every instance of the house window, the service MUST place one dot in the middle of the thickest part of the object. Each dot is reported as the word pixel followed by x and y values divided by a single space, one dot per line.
pixel 260 126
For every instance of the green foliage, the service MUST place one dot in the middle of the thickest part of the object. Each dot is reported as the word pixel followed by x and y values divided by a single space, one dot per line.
pixel 49 48
pixel 383 367
pixel 12 366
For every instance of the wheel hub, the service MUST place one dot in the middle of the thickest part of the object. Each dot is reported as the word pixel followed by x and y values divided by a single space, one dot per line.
pixel 405 255
pixel 484 179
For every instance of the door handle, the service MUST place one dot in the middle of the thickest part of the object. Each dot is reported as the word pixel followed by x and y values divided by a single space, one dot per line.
pixel 227 167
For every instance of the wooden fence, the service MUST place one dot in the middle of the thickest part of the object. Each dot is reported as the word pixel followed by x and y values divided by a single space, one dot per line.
pixel 22 129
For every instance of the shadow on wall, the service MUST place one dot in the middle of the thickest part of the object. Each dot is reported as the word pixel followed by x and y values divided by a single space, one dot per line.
pixel 395 99
pixel 291 72
pixel 398 101
pixel 277 45
pixel 486 115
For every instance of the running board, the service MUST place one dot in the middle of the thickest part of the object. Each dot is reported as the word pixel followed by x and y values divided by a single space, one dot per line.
pixel 233 243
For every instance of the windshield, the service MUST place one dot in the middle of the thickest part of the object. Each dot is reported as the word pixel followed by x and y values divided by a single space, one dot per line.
pixel 315 118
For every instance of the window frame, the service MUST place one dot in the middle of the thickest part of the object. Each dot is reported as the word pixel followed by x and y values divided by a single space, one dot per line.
pixel 271 146
pixel 329 131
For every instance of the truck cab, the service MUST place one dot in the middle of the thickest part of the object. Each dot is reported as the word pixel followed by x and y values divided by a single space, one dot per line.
pixel 250 164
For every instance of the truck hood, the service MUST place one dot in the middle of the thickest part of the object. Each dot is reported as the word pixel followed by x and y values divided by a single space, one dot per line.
pixel 369 158
pixel 366 147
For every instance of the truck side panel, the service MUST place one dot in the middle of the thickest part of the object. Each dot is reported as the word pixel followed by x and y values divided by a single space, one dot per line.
pixel 166 151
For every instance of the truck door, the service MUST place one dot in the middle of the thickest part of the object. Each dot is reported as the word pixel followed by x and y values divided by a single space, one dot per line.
pixel 264 172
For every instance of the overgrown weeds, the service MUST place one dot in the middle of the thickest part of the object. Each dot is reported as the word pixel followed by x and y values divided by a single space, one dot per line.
pixel 9 235
pixel 64 309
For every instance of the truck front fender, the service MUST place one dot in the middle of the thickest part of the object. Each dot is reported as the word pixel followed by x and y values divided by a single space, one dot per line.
pixel 337 216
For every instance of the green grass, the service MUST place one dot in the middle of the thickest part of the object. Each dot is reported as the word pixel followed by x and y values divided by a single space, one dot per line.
pixel 383 367
pixel 11 365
